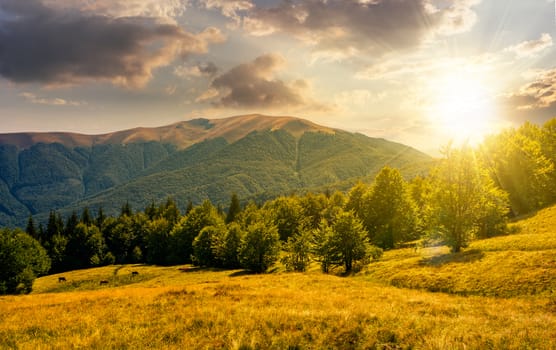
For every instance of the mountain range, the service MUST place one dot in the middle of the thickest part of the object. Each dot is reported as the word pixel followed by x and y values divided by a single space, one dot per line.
pixel 254 156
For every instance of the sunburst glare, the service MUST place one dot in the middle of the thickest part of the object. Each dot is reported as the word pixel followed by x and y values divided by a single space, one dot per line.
pixel 462 106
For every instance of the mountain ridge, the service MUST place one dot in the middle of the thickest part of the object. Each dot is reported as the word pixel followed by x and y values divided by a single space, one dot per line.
pixel 182 134
pixel 254 156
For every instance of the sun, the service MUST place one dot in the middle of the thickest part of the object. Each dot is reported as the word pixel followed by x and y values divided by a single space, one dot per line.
pixel 461 106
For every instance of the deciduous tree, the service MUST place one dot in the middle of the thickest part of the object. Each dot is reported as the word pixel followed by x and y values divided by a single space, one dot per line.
pixel 463 194
pixel 22 259
pixel 349 241
pixel 388 210
pixel 260 246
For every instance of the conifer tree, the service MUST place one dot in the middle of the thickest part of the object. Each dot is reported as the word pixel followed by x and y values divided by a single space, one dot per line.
pixel 31 230
pixel 234 209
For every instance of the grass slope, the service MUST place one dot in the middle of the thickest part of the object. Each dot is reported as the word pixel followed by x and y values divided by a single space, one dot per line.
pixel 508 303
pixel 196 309
pixel 515 265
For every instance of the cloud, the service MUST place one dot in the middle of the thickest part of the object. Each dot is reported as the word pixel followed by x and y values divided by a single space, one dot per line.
pixel 255 85
pixel 539 94
pixel 201 69
pixel 32 98
pixel 171 90
pixel 166 10
pixel 229 8
pixel 207 95
pixel 358 98
pixel 55 47
pixel 531 47
pixel 370 26
pixel 453 17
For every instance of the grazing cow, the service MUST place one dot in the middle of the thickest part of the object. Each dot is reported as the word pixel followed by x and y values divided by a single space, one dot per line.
pixel 61 279
pixel 103 282
pixel 134 273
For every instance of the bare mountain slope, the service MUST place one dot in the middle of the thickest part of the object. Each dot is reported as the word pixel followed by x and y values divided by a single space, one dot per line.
pixel 181 134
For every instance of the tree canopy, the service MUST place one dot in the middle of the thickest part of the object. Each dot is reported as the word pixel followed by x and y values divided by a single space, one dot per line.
pixel 22 259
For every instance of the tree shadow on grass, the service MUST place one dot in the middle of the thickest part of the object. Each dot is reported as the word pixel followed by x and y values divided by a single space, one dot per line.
pixel 521 217
pixel 240 273
pixel 189 269
pixel 466 256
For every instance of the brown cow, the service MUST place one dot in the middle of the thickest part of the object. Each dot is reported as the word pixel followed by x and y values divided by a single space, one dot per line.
pixel 61 279
pixel 134 273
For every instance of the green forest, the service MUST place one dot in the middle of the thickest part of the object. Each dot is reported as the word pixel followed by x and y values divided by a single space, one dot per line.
pixel 260 166
pixel 470 193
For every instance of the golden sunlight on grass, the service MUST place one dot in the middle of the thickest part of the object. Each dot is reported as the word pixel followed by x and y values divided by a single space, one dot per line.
pixel 522 264
pixel 499 294
pixel 213 310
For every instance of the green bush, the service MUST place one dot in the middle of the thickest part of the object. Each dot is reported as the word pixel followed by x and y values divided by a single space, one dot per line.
pixel 22 259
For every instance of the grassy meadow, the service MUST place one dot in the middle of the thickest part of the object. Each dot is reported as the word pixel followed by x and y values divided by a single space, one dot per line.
pixel 497 294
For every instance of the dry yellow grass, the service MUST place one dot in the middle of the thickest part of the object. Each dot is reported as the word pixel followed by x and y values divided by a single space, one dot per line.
pixel 522 264
pixel 223 309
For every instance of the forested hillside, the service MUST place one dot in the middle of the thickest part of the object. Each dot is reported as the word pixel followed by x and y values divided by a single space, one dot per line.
pixel 253 156
pixel 47 176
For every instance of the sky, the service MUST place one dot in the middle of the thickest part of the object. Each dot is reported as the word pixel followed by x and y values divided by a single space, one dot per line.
pixel 420 72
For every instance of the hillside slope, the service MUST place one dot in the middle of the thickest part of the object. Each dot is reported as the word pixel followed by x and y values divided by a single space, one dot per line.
pixel 520 264
pixel 250 155
pixel 498 294
pixel 190 308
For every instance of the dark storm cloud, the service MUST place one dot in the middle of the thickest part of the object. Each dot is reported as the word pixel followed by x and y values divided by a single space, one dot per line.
pixel 253 85
pixel 374 26
pixel 39 44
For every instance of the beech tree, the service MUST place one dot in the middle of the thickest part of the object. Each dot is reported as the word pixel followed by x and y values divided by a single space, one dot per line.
pixel 516 161
pixel 22 259
pixel 343 243
pixel 388 210
pixel 297 251
pixel 159 243
pixel 322 248
pixel 226 249
pixel 463 195
pixel 205 246
pixel 87 247
pixel 349 240
pixel 287 215
pixel 260 246
pixel 355 201
pixel 189 226
pixel 313 208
